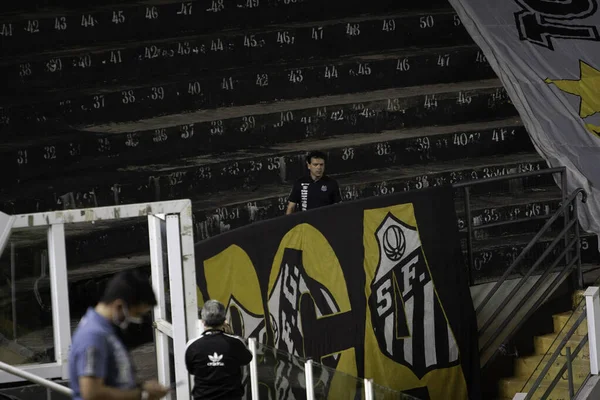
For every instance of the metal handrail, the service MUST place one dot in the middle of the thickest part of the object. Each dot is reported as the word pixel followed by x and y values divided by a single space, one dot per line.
pixel 570 264
pixel 532 243
pixel 553 358
pixel 477 182
pixel 466 186
pixel 509 222
pixel 530 292
pixel 566 365
pixel 535 265
pixel 35 379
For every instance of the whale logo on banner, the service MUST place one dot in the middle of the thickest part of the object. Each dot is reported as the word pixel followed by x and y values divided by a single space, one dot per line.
pixel 547 55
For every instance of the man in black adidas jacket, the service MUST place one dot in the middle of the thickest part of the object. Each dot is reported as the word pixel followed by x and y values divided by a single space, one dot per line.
pixel 216 357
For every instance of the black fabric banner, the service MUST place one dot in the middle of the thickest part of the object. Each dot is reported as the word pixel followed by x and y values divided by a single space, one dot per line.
pixel 375 288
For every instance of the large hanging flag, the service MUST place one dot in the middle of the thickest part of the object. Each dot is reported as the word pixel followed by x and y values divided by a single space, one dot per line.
pixel 547 54
pixel 373 288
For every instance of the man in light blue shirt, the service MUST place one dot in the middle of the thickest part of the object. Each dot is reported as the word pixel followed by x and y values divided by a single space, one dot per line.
pixel 99 362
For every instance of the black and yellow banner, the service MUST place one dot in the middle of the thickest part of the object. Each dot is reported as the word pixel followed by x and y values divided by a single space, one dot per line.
pixel 375 288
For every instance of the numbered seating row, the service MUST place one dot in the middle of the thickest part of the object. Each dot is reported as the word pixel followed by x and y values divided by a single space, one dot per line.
pixel 139 21
pixel 220 131
pixel 248 86
pixel 15 8
pixel 214 214
pixel 493 257
pixel 223 212
pixel 191 55
pixel 121 242
pixel 489 209
pixel 195 177
pixel 86 284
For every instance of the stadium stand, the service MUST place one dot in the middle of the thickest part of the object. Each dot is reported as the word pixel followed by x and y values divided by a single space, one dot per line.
pixel 218 101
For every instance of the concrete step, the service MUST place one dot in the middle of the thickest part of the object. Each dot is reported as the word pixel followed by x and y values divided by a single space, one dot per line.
pixel 214 215
pixel 532 366
pixel 254 127
pixel 251 207
pixel 547 344
pixel 510 387
pixel 494 255
pixel 497 207
pixel 249 170
pixel 565 321
pixel 229 209
pixel 528 368
pixel 238 87
pixel 58 27
pixel 530 206
pixel 16 9
pixel 346 154
pixel 271 45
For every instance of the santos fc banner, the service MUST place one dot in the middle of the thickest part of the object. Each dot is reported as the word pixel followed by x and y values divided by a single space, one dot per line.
pixel 374 288
pixel 547 54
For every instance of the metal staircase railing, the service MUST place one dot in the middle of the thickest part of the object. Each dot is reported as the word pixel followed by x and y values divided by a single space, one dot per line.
pixel 291 369
pixel 6 222
pixel 470 228
pixel 567 366
pixel 572 264
pixel 48 384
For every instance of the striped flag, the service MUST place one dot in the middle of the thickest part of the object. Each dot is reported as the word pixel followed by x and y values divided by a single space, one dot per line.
pixel 407 317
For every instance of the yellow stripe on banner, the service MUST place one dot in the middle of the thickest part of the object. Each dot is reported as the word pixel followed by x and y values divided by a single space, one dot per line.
pixel 319 260
pixel 321 264
pixel 230 274
pixel 593 128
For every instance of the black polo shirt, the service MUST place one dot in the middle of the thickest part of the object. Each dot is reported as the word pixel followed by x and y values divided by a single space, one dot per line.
pixel 309 194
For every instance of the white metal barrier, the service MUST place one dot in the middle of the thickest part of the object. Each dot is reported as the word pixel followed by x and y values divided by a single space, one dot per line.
pixel 253 368
pixel 369 395
pixel 35 379
pixel 592 303
pixel 6 223
pixel 177 215
pixel 185 325
pixel 310 384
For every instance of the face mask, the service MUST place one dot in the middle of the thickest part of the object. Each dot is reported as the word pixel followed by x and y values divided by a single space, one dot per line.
pixel 128 319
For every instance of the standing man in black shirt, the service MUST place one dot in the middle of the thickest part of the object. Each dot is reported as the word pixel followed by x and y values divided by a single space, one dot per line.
pixel 316 189
pixel 215 359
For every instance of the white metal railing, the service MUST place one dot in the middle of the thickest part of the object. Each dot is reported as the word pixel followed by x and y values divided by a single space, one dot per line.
pixel 35 379
pixel 592 314
pixel 176 217
pixel 253 368
pixel 6 223
pixel 308 374
pixel 369 393
pixel 309 384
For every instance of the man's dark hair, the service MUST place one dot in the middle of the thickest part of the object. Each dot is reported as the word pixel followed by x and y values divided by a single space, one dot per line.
pixel 315 154
pixel 130 286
